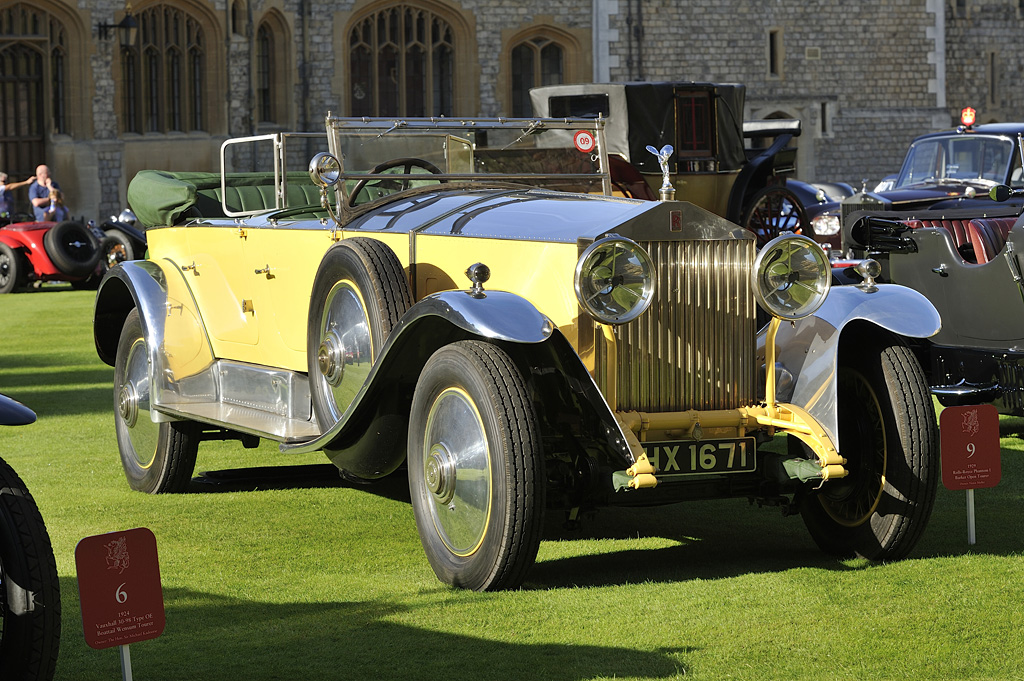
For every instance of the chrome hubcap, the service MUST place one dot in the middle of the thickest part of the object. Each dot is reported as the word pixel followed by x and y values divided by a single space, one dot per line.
pixel 331 358
pixel 128 404
pixel 457 472
pixel 133 406
pixel 439 473
pixel 344 329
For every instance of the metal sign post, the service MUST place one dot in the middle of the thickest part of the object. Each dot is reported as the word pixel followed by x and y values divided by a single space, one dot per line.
pixel 969 438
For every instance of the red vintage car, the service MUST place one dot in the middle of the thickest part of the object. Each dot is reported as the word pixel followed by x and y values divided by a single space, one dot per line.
pixel 48 251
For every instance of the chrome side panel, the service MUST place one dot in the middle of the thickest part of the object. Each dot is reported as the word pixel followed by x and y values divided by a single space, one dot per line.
pixel 807 350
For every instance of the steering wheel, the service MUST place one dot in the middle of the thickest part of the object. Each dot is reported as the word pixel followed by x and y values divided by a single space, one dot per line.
pixel 405 164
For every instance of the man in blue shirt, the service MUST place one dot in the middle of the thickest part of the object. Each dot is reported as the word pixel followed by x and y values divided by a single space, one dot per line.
pixel 7 194
pixel 39 192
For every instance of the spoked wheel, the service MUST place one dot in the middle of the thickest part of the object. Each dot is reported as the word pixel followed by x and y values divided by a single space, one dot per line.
pixel 29 587
pixel 398 166
pixel 887 432
pixel 476 472
pixel 157 457
pixel 359 293
pixel 12 269
pixel 773 211
pixel 114 248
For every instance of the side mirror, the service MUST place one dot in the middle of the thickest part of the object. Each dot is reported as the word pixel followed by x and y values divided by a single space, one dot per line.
pixel 1000 192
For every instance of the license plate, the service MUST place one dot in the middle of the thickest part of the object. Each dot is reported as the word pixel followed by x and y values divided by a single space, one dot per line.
pixel 698 458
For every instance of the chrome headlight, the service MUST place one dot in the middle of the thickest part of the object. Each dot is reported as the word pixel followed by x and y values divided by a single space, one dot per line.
pixel 826 224
pixel 791 276
pixel 324 170
pixel 614 280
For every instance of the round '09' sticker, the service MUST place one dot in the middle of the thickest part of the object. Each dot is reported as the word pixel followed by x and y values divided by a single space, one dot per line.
pixel 584 141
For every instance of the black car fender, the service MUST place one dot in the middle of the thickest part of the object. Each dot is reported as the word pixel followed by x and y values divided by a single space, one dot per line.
pixel 807 350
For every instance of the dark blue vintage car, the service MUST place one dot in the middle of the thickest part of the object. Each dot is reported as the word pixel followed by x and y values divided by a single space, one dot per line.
pixel 944 171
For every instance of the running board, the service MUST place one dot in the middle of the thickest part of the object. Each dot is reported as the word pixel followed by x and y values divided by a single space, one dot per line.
pixel 248 398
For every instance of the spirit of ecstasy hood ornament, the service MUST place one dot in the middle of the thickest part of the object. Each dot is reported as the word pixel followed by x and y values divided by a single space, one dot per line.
pixel 667 191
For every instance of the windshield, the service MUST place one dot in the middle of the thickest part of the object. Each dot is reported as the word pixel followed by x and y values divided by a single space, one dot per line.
pixel 380 157
pixel 965 158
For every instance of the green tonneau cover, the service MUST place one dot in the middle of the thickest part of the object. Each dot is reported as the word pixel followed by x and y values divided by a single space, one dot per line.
pixel 160 198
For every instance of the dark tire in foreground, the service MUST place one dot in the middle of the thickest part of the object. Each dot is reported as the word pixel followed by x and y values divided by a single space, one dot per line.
pixel 476 470
pixel 156 457
pixel 30 588
pixel 72 248
pixel 887 431
pixel 359 294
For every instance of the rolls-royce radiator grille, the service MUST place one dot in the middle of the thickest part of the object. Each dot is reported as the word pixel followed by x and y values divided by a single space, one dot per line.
pixel 858 202
pixel 694 348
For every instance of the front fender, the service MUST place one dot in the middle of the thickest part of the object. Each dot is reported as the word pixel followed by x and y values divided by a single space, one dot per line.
pixel 369 439
pixel 437 320
pixel 807 349
pixel 178 343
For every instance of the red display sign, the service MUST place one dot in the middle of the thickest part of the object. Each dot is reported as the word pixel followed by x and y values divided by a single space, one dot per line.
pixel 970 447
pixel 584 141
pixel 119 588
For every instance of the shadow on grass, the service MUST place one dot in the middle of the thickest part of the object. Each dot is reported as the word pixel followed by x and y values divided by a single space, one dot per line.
pixel 711 539
pixel 312 476
pixel 212 637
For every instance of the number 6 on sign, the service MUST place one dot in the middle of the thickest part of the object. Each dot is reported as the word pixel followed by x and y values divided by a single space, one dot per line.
pixel 110 568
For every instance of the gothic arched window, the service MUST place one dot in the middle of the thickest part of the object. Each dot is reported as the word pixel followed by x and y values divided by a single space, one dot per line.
pixel 165 74
pixel 536 61
pixel 402 63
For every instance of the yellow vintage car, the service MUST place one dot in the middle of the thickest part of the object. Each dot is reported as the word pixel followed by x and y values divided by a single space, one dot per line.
pixel 468 298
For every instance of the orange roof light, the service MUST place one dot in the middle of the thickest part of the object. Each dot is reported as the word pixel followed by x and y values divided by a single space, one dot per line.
pixel 967 115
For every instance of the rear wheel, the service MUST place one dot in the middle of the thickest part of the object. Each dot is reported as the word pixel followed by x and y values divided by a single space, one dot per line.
pixel 30 588
pixel 156 457
pixel 476 471
pixel 359 294
pixel 775 210
pixel 887 432
pixel 114 248
pixel 12 269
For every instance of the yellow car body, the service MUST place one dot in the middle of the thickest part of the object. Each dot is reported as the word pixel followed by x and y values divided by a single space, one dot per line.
pixel 482 309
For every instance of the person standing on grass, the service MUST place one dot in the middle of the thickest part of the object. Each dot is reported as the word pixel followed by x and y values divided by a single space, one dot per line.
pixel 7 193
pixel 39 192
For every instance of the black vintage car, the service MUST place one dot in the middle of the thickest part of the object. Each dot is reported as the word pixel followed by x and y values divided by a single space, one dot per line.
pixel 713 158
pixel 969 262
pixel 949 170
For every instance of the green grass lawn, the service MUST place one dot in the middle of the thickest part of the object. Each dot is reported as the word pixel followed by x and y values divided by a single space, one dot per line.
pixel 293 574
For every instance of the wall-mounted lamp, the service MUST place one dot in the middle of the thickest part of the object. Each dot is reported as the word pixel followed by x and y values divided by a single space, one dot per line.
pixel 127 28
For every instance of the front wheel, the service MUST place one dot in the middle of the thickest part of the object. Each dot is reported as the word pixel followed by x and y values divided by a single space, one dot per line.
pixel 887 431
pixel 156 457
pixel 29 586
pixel 476 471
pixel 12 269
